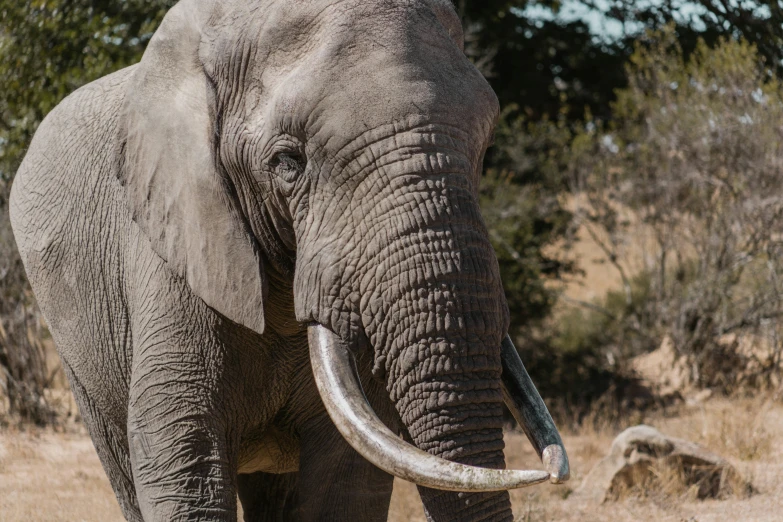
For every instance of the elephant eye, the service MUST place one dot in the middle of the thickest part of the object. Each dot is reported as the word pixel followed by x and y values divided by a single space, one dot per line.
pixel 288 165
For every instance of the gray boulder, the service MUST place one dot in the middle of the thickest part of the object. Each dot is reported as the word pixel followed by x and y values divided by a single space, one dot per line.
pixel 639 454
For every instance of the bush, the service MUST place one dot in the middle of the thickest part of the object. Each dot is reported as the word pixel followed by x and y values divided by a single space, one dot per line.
pixel 694 154
pixel 523 220
pixel 531 231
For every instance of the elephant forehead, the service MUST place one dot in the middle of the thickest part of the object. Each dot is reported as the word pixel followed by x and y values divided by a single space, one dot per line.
pixel 327 39
pixel 286 26
pixel 300 16
pixel 378 94
pixel 342 67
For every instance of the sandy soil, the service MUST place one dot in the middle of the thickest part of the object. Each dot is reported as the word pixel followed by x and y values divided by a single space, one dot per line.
pixel 46 476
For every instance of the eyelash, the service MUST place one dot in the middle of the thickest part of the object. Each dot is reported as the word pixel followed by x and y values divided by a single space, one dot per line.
pixel 288 165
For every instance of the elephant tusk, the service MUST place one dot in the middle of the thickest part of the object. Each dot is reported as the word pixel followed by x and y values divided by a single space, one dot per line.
pixel 527 407
pixel 345 402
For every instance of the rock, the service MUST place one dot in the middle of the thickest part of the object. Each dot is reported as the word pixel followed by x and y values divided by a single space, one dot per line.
pixel 640 454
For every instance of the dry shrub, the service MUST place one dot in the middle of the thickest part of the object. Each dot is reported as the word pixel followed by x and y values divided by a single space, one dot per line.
pixel 694 154
pixel 739 433
pixel 23 371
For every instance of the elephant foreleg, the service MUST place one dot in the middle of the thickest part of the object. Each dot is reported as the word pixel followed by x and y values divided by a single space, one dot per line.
pixel 180 450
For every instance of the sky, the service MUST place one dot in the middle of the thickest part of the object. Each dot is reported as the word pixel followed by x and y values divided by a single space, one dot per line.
pixel 609 29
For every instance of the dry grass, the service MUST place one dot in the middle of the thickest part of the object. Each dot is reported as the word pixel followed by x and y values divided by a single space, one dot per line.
pixel 743 433
pixel 46 476
pixel 748 433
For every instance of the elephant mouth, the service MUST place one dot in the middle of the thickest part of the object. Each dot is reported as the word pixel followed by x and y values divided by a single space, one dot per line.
pixel 338 383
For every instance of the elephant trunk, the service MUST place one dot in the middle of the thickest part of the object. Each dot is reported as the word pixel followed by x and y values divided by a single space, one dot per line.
pixel 431 304
pixel 443 366
pixel 339 386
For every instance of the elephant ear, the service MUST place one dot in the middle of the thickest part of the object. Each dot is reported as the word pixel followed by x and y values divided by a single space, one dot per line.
pixel 176 191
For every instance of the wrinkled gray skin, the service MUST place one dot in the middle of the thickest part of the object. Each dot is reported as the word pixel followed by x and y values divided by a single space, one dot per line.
pixel 270 164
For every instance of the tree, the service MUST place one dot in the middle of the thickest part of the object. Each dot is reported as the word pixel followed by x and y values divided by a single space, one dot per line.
pixel 559 85
pixel 541 67
pixel 757 22
pixel 547 65
pixel 50 48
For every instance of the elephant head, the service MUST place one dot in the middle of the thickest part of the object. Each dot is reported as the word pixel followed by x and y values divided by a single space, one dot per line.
pixel 335 148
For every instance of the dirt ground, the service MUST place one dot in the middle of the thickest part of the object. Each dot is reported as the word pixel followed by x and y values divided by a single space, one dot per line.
pixel 47 476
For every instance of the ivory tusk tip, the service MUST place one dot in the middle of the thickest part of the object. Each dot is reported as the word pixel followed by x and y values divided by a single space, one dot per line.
pixel 556 461
pixel 341 391
pixel 532 477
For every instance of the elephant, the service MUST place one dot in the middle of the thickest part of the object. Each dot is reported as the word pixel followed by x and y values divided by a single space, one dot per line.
pixel 261 257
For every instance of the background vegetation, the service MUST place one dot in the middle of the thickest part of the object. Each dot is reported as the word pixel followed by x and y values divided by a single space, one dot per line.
pixel 654 124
